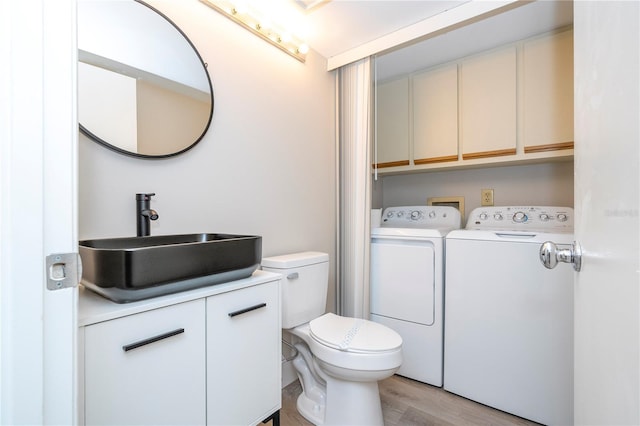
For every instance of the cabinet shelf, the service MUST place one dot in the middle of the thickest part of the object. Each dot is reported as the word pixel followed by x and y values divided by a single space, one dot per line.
pixel 565 155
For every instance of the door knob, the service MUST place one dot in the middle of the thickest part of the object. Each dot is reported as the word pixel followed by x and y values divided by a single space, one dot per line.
pixel 550 255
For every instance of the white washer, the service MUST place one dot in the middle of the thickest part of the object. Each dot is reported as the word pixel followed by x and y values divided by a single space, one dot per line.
pixel 508 319
pixel 407 253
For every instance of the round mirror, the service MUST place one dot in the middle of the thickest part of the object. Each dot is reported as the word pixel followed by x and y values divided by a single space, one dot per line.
pixel 143 89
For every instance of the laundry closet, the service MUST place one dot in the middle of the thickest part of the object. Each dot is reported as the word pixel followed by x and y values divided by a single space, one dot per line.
pixel 481 119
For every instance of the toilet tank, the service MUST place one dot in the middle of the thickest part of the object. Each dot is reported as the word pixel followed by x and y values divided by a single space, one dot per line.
pixel 304 285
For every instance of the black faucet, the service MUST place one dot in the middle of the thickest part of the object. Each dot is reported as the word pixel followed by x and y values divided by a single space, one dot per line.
pixel 144 214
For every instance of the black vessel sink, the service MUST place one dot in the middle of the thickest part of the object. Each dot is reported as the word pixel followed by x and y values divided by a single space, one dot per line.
pixel 128 269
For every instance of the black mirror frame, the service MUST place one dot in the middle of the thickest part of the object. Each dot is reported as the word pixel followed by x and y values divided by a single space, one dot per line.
pixel 102 142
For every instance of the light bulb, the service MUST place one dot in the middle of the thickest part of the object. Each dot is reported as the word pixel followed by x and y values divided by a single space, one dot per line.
pixel 265 24
pixel 240 8
pixel 285 37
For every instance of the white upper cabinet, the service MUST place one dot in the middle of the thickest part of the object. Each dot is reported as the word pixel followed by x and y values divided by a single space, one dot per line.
pixel 547 92
pixel 510 105
pixel 435 115
pixel 488 102
pixel 392 123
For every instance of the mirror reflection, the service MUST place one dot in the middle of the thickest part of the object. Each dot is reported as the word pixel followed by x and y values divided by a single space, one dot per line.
pixel 143 89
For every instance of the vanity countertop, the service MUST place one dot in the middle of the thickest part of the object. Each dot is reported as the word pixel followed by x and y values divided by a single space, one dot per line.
pixel 93 308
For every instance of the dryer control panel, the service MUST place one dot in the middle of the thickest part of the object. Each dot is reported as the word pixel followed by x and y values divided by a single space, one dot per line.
pixel 522 218
pixel 421 217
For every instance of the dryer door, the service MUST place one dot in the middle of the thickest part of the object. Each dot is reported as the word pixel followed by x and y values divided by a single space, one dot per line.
pixel 403 279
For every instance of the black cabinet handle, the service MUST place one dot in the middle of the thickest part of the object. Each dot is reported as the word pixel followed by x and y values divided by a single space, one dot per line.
pixel 245 310
pixel 154 339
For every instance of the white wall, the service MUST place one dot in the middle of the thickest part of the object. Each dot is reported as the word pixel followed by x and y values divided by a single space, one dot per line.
pixel 549 184
pixel 265 167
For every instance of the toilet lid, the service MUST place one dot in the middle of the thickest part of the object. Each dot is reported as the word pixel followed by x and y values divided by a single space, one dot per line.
pixel 353 334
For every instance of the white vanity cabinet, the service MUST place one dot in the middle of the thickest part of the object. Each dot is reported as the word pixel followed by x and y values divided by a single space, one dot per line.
pixel 147 368
pixel 243 350
pixel 205 356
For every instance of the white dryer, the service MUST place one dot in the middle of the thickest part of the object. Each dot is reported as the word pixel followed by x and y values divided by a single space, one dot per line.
pixel 407 254
pixel 508 319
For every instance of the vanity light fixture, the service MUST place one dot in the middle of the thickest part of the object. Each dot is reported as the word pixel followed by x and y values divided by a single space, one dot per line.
pixel 261 27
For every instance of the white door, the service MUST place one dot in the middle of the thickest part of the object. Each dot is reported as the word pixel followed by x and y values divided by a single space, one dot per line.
pixel 38 214
pixel 607 115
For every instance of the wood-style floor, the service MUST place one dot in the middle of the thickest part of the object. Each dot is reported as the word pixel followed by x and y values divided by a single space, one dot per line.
pixel 406 402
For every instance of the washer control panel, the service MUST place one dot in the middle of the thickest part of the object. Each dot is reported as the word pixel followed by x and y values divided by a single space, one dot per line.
pixel 420 217
pixel 522 218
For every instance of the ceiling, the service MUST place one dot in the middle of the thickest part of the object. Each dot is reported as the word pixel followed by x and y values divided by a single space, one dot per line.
pixel 528 20
pixel 336 26
pixel 332 27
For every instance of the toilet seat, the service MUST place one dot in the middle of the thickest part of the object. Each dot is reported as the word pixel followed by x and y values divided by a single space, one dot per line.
pixel 352 344
pixel 353 334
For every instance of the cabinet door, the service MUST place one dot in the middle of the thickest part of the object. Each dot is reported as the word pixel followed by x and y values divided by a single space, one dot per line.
pixel 548 93
pixel 243 355
pixel 435 116
pixel 392 123
pixel 488 104
pixel 147 368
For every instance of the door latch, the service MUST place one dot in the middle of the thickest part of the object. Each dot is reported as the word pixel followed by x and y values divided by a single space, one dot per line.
pixel 64 270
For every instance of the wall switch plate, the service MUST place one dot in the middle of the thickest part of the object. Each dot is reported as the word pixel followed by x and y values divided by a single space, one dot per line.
pixel 486 197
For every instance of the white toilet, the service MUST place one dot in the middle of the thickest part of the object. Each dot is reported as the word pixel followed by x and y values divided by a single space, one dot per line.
pixel 340 359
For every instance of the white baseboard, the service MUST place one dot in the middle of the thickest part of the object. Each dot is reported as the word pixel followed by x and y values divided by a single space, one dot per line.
pixel 288 373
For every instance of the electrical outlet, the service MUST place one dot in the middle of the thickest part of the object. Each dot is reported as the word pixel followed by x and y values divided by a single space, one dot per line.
pixel 486 197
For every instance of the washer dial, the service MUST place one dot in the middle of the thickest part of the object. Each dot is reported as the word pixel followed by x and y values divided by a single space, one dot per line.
pixel 520 217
